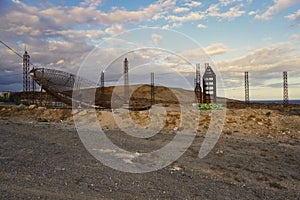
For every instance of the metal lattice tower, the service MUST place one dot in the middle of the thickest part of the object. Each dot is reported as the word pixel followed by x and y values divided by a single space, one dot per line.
pixel 102 79
pixel 285 89
pixel 102 85
pixel 209 85
pixel 26 76
pixel 126 81
pixel 33 87
pixel 152 89
pixel 247 98
pixel 198 89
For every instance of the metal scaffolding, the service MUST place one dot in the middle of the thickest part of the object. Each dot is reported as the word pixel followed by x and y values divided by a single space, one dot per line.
pixel 61 85
pixel 209 85
pixel 152 89
pixel 26 77
pixel 126 80
pixel 102 86
pixel 247 98
pixel 198 89
pixel 285 89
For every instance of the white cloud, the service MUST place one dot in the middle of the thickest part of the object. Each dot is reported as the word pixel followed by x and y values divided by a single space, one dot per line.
pixel 216 49
pixel 115 29
pixel 252 13
pixel 156 39
pixel 232 12
pixel 93 3
pixel 227 2
pixel 201 26
pixel 269 58
pixel 294 16
pixel 176 25
pixel 265 66
pixel 193 4
pixel 60 62
pixel 192 16
pixel 21 30
pixel 181 9
pixel 295 36
pixel 278 7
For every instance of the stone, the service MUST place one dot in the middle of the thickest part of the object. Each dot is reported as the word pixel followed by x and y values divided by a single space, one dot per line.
pixel 82 113
pixel 219 152
pixel 20 107
pixel 31 107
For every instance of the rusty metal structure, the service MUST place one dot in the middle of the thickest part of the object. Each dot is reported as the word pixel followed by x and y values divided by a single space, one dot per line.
pixel 126 80
pixel 102 87
pixel 247 96
pixel 26 76
pixel 152 89
pixel 29 85
pixel 198 89
pixel 59 84
pixel 285 89
pixel 209 85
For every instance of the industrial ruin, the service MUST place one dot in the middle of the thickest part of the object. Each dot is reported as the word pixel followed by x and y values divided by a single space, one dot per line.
pixel 61 85
pixel 56 88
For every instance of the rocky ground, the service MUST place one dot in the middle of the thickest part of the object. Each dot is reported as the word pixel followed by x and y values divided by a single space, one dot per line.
pixel 256 157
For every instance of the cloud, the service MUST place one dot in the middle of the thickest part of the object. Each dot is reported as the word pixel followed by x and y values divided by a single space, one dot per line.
pixel 227 2
pixel 264 64
pixel 115 29
pixel 232 12
pixel 294 16
pixel 193 4
pixel 201 26
pixel 216 49
pixel 192 16
pixel 295 36
pixel 156 39
pixel 181 9
pixel 252 13
pixel 60 62
pixel 278 7
pixel 93 3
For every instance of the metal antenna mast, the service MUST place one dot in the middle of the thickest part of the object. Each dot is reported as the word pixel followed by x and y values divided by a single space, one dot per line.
pixel 126 81
pixel 26 76
pixel 102 86
pixel 247 98
pixel 285 89
pixel 198 90
pixel 152 89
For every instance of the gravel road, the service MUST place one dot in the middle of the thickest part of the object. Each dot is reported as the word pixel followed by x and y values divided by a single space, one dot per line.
pixel 46 160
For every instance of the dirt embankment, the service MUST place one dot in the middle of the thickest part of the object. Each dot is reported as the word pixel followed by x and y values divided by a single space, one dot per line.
pixel 264 121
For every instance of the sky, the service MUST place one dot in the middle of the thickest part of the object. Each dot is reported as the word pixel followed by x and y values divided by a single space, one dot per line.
pixel 168 37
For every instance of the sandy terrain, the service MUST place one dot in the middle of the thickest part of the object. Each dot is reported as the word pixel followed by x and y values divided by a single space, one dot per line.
pixel 256 157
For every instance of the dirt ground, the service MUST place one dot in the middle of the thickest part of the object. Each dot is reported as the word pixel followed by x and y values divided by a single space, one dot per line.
pixel 256 157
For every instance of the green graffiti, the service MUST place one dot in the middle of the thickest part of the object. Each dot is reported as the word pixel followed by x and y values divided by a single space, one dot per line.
pixel 209 106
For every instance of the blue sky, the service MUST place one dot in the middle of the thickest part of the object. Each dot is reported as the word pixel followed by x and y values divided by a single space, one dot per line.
pixel 261 37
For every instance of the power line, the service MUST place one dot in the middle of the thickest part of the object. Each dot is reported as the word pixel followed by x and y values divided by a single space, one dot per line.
pixel 14 51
